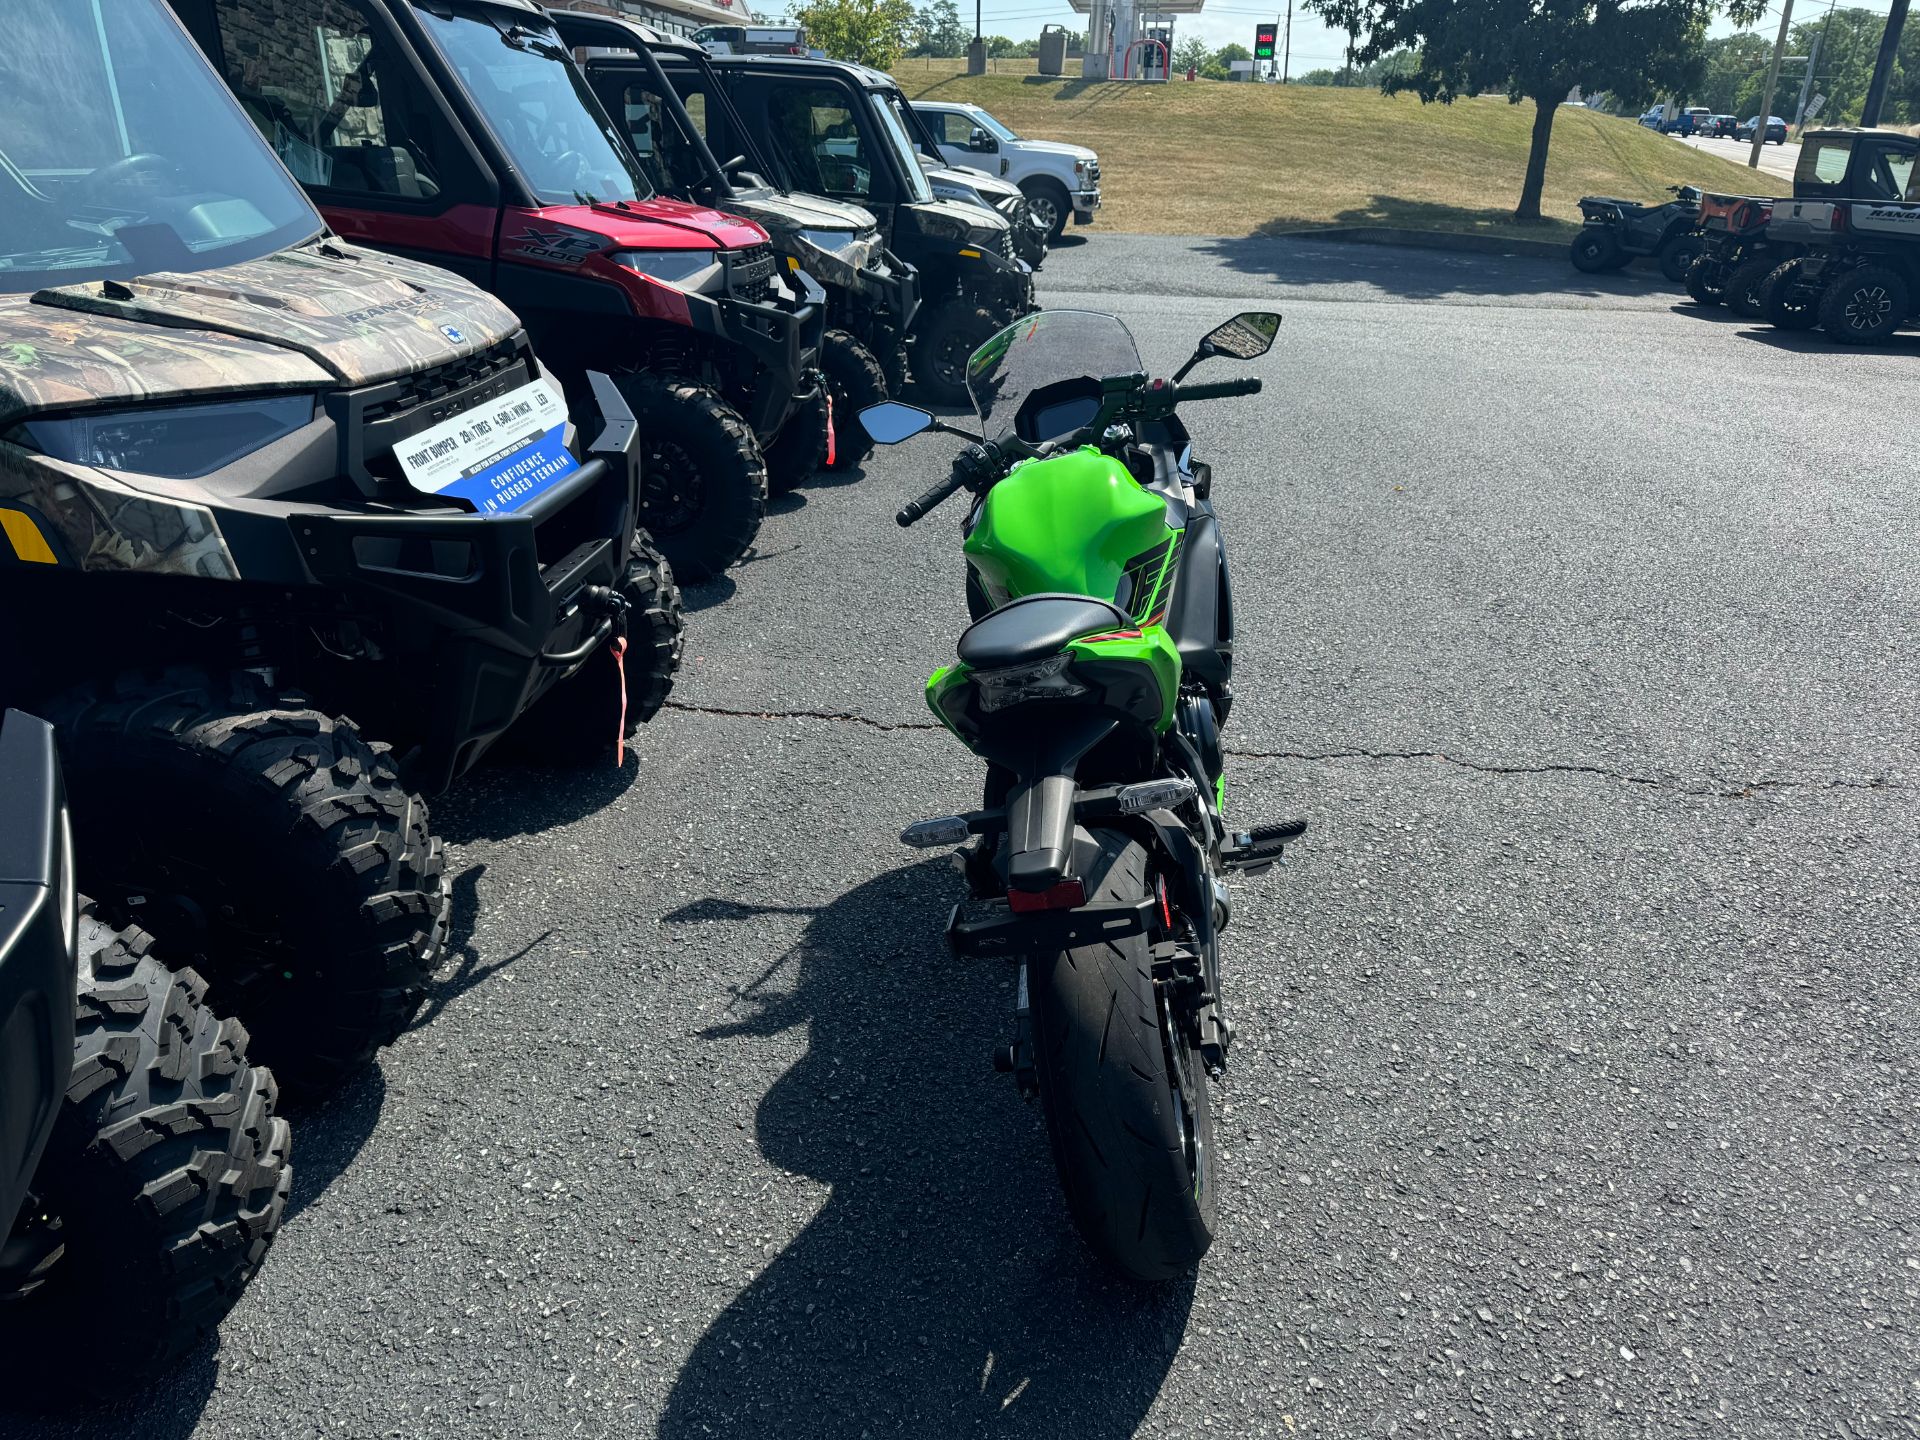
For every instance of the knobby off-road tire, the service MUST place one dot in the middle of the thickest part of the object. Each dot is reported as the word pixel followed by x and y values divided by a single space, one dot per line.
pixel 162 1186
pixel 1704 283
pixel 857 380
pixel 1594 249
pixel 799 451
pixel 947 337
pixel 269 846
pixel 1677 255
pixel 574 723
pixel 1864 306
pixel 703 489
pixel 1779 306
pixel 1743 285
pixel 1139 1180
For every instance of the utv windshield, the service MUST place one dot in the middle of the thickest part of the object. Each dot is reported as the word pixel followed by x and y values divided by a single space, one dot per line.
pixel 899 136
pixel 537 105
pixel 1055 359
pixel 121 153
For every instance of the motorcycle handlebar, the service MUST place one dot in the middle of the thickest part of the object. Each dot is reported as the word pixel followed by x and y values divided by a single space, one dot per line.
pixel 1215 390
pixel 915 509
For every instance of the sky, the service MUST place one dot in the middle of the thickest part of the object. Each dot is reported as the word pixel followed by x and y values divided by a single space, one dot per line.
pixel 1315 47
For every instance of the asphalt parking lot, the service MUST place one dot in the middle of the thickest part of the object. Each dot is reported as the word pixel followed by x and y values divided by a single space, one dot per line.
pixel 1575 1090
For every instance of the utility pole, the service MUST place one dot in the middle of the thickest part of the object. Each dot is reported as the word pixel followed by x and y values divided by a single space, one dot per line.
pixel 1773 79
pixel 1806 85
pixel 1883 67
pixel 1286 45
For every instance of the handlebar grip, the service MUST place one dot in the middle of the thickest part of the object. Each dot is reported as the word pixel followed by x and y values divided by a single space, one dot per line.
pixel 914 509
pixel 1215 390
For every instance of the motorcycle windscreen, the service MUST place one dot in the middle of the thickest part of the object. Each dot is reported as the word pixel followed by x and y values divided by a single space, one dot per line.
pixel 1040 352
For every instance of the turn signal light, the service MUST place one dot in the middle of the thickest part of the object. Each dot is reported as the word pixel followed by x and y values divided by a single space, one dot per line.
pixel 926 834
pixel 1155 795
pixel 1066 895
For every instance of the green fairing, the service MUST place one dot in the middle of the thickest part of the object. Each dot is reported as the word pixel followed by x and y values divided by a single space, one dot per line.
pixel 1066 525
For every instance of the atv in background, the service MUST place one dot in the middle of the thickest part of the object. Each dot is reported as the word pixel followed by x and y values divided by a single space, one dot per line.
pixel 1615 231
pixel 143 1172
pixel 836 130
pixel 871 295
pixel 465 135
pixel 1735 255
pixel 1855 223
pixel 251 478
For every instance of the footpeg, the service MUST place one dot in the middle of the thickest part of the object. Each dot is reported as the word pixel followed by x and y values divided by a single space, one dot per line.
pixel 1255 850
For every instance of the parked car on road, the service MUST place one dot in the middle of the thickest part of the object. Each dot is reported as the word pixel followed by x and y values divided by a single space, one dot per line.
pixel 1776 129
pixel 1059 181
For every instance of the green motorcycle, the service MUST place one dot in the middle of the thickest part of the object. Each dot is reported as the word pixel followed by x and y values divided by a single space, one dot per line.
pixel 1094 682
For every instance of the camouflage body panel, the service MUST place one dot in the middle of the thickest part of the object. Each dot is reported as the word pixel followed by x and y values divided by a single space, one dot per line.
pixel 326 314
pixel 103 524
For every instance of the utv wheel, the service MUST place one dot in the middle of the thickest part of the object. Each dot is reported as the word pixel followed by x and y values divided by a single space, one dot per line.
pixel 1595 249
pixel 575 722
pixel 799 451
pixel 269 846
pixel 893 364
pixel 1783 304
pixel 1704 282
pixel 1864 306
pixel 1124 1091
pixel 857 380
pixel 1743 285
pixel 948 337
pixel 1677 256
pixel 703 484
pixel 162 1186
pixel 1049 206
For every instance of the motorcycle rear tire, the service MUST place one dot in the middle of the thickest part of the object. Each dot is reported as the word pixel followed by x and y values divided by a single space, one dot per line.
pixel 1133 1147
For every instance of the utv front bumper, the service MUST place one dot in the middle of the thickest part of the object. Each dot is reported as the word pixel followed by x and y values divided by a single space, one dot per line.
pixel 485 613
pixel 782 340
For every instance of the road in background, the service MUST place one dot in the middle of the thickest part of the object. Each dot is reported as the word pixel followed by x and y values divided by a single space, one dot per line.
pixel 1574 1085
pixel 1774 159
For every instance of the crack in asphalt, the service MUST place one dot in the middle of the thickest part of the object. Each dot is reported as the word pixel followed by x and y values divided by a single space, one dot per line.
pixel 1712 786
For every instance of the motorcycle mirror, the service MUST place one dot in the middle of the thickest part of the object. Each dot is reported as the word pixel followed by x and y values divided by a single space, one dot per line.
pixel 1247 336
pixel 893 422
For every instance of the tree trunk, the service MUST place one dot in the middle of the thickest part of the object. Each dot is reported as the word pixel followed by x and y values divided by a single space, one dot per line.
pixel 1529 208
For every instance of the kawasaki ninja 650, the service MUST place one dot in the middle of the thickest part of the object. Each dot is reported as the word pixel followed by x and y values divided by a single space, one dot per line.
pixel 1094 682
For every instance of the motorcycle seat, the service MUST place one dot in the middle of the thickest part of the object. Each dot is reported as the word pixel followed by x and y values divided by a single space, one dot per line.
pixel 1034 627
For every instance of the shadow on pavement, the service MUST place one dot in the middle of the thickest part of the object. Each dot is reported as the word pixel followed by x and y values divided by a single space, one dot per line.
pixel 501 798
pixel 169 1409
pixel 1816 342
pixel 940 1290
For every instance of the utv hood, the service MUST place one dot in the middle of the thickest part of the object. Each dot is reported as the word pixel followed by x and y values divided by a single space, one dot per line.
pixel 991 188
pixel 661 224
pixel 323 315
pixel 792 210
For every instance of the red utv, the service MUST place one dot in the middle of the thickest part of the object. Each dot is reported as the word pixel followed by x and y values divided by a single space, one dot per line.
pixel 460 132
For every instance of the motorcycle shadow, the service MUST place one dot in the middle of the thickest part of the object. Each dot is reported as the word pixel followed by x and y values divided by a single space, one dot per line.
pixel 940 1287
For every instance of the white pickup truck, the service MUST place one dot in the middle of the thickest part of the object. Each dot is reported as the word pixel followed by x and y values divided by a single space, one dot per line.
pixel 1058 180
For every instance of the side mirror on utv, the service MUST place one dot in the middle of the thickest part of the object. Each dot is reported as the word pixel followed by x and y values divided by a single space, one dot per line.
pixel 893 422
pixel 1247 336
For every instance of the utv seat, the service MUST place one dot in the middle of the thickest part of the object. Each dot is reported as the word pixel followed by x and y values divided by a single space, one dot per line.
pixel 1034 627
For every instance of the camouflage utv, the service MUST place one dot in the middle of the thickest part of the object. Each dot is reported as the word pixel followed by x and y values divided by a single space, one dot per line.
pixel 252 477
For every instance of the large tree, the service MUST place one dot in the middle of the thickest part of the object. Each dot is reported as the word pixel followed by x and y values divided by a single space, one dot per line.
pixel 1536 50
pixel 869 32
pixel 938 30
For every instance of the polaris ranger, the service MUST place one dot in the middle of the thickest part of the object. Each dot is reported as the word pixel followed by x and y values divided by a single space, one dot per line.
pixel 1855 222
pixel 143 1172
pixel 1745 249
pixel 462 133
pixel 836 130
pixel 871 295
pixel 250 477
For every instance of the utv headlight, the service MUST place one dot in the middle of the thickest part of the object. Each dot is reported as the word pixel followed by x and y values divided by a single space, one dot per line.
pixel 695 271
pixel 179 442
